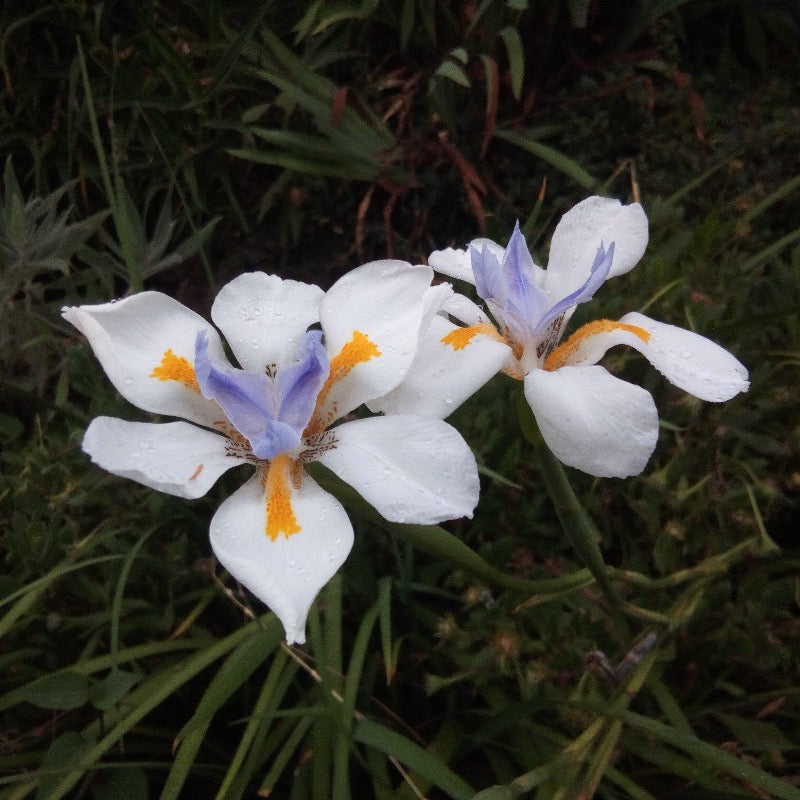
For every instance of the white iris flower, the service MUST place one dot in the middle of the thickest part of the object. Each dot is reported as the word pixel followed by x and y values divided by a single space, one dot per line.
pixel 588 418
pixel 281 534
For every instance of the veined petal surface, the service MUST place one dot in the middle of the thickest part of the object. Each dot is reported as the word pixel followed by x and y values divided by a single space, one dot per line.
pixel 371 319
pixel 579 234
pixel 144 336
pixel 174 457
pixel 593 421
pixel 287 572
pixel 264 318
pixel 451 364
pixel 411 469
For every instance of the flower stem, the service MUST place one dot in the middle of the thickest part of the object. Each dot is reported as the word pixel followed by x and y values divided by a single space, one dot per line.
pixel 579 529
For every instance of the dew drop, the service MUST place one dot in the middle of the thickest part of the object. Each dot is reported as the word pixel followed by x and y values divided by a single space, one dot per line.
pixel 128 381
pixel 686 354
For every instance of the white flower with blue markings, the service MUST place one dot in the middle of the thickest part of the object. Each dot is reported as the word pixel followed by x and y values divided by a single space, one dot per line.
pixel 281 534
pixel 589 418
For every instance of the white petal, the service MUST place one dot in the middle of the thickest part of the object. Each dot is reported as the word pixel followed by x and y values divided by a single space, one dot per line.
pixel 443 376
pixel 463 309
pixel 581 231
pixel 592 420
pixel 286 573
pixel 411 469
pixel 690 361
pixel 131 337
pixel 384 302
pixel 453 263
pixel 264 318
pixel 174 457
pixel 435 299
pixel 695 364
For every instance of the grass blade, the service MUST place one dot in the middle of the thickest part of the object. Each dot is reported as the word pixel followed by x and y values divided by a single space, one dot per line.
pixel 394 744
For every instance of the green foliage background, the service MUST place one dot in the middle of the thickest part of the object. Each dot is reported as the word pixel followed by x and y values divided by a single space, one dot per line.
pixel 174 145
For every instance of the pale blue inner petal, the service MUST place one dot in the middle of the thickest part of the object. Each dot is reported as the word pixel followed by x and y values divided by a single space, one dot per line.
pixel 271 413
pixel 522 296
pixel 520 306
pixel 599 272
pixel 487 272
pixel 299 384
pixel 510 289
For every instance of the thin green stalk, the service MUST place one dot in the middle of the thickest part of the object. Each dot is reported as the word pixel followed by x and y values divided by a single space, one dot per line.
pixel 580 531
pixel 441 544
pixel 341 761
pixel 116 604
pixel 118 212
pixel 709 754
pixel 31 593
pixel 148 696
pixel 259 720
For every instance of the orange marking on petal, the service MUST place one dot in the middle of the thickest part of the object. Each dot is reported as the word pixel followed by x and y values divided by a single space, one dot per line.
pixel 459 338
pixel 358 350
pixel 280 514
pixel 562 354
pixel 197 472
pixel 176 368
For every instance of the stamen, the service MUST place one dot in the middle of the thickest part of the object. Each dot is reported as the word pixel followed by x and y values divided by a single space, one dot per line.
pixel 562 354
pixel 176 368
pixel 459 338
pixel 358 350
pixel 280 514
